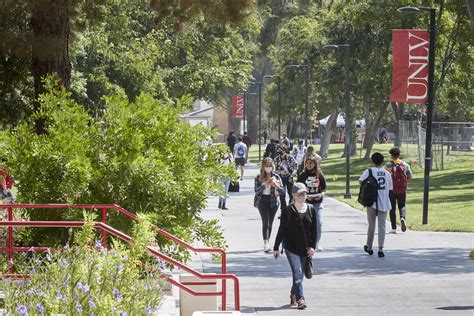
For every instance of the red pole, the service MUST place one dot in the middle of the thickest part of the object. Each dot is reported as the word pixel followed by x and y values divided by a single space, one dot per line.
pixel 104 233
pixel 10 240
pixel 224 283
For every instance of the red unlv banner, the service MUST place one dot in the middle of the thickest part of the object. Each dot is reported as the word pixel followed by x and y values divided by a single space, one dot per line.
pixel 410 66
pixel 238 106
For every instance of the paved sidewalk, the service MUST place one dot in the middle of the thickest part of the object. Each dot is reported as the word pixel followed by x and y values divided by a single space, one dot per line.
pixel 423 273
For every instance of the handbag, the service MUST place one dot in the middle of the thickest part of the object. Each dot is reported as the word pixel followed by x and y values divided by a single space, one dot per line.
pixel 256 199
pixel 308 263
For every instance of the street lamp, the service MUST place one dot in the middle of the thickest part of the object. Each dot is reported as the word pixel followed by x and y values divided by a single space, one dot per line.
pixel 279 100
pixel 348 124
pixel 306 99
pixel 430 102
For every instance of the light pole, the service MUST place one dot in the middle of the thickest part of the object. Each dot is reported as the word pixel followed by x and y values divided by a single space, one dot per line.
pixel 430 102
pixel 348 123
pixel 306 99
pixel 279 100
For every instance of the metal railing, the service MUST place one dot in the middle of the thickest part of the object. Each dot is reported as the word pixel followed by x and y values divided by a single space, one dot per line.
pixel 102 225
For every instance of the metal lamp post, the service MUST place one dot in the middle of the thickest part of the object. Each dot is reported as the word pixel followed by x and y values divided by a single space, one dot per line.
pixel 430 102
pixel 259 85
pixel 279 100
pixel 306 99
pixel 348 124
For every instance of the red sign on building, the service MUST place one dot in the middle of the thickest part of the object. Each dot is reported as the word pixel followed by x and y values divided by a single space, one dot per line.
pixel 410 66
pixel 238 106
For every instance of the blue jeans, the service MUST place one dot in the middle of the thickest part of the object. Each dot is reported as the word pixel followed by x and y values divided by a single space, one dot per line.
pixel 225 187
pixel 296 264
pixel 318 207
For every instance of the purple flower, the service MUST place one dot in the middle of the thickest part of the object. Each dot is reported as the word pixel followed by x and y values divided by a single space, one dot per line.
pixel 22 310
pixel 40 308
pixel 112 251
pixel 66 246
pixel 98 244
pixel 63 262
pixel 79 308
pixel 115 291
pixel 39 293
pixel 30 291
pixel 21 282
pixel 59 296
pixel 37 262
pixel 79 285
pixel 119 298
pixel 86 288
pixel 120 267
pixel 124 314
pixel 148 310
pixel 91 303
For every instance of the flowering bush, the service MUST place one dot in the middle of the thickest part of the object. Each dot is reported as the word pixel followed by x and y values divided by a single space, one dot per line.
pixel 87 278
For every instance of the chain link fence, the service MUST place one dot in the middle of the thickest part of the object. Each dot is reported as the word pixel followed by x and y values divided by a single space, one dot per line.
pixel 448 139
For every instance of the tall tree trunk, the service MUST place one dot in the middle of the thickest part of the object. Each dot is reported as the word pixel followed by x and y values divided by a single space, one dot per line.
pixel 328 132
pixel 50 49
pixel 398 111
pixel 371 130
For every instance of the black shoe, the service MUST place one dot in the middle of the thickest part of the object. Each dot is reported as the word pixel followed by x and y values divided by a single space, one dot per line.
pixel 366 249
pixel 220 205
pixel 224 208
pixel 380 254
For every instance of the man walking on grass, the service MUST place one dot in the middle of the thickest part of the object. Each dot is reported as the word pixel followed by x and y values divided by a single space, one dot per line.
pixel 401 174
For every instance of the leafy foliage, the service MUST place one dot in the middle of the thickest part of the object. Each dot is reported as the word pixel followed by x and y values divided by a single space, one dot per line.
pixel 138 155
pixel 88 278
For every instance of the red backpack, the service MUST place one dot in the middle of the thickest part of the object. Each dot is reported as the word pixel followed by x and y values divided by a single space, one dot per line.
pixel 399 178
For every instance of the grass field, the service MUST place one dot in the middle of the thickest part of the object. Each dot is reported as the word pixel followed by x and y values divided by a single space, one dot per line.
pixel 451 198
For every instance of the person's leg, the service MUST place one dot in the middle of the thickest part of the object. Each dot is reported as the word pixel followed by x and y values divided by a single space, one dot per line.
pixel 381 220
pixel 271 218
pixel 393 216
pixel 264 210
pixel 401 198
pixel 283 197
pixel 371 215
pixel 319 223
pixel 297 272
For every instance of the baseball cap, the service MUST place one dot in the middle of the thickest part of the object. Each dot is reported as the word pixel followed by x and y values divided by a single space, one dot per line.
pixel 298 188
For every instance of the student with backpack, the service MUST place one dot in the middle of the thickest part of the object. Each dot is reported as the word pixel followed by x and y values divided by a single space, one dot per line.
pixel 240 150
pixel 298 232
pixel 376 183
pixel 401 174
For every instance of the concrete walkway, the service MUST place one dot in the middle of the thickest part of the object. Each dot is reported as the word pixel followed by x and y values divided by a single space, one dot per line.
pixel 423 273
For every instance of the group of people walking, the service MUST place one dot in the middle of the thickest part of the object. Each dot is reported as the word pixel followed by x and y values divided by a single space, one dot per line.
pixel 300 228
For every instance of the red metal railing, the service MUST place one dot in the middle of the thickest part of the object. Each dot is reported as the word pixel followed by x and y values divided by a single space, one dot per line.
pixel 108 229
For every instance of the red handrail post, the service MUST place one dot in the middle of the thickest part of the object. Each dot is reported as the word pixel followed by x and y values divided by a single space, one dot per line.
pixel 224 283
pixel 104 233
pixel 10 240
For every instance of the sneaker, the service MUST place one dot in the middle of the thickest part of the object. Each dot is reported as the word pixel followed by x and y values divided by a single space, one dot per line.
pixel 380 254
pixel 301 303
pixel 404 224
pixel 319 248
pixel 266 247
pixel 293 301
pixel 393 231
pixel 366 249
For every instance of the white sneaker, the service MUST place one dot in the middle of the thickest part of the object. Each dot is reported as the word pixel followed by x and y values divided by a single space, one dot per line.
pixel 319 248
pixel 266 247
pixel 404 224
pixel 393 231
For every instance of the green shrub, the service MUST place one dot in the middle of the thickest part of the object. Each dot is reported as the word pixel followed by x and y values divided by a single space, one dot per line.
pixel 136 154
pixel 87 278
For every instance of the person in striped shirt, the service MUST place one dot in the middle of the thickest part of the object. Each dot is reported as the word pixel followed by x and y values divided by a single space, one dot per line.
pixel 401 175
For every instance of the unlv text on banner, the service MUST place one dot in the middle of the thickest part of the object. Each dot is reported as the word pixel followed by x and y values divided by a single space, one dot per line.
pixel 410 66
pixel 237 106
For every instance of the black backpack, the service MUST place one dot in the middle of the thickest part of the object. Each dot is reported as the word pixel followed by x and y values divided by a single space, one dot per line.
pixel 368 190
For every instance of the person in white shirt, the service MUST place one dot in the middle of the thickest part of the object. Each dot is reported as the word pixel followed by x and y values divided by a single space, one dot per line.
pixel 381 207
pixel 240 150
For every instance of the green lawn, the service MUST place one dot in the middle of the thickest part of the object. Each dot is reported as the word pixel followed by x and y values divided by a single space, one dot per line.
pixel 451 198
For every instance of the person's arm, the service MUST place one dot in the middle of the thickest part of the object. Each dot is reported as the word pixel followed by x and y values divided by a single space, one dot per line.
pixel 293 166
pixel 258 186
pixel 408 171
pixel 278 187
